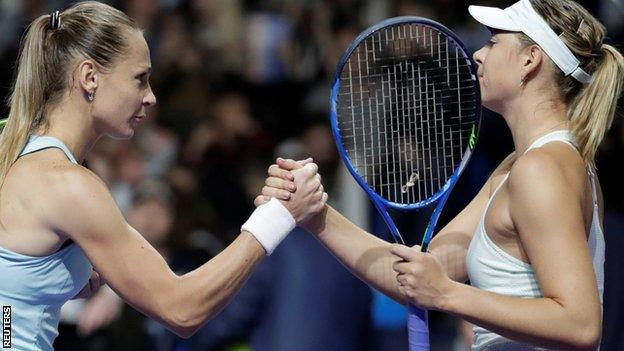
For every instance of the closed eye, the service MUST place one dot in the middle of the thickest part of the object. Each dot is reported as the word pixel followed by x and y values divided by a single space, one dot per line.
pixel 143 78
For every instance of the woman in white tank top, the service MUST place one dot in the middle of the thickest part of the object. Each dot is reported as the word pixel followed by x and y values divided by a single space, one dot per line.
pixel 531 240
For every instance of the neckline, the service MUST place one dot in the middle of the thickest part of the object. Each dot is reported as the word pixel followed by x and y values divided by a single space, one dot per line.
pixel 566 135
pixel 57 143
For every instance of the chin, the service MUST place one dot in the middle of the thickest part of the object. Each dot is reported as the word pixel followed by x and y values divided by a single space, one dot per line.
pixel 490 105
pixel 122 135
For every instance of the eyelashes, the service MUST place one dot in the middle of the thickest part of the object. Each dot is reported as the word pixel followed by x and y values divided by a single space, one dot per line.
pixel 143 79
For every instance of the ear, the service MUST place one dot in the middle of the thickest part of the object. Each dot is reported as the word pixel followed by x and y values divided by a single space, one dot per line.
pixel 531 59
pixel 88 76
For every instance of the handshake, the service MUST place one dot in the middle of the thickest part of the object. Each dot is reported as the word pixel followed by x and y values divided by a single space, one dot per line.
pixel 293 195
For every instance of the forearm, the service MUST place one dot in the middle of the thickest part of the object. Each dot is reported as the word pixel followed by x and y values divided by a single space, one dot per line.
pixel 450 249
pixel 365 255
pixel 539 321
pixel 203 292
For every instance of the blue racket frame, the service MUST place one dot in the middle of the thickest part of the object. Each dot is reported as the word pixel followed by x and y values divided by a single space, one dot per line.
pixel 442 195
pixel 417 319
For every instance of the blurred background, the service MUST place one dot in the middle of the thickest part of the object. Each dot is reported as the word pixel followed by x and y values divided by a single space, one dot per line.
pixel 238 83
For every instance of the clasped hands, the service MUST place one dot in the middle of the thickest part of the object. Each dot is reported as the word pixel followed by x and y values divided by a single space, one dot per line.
pixel 420 277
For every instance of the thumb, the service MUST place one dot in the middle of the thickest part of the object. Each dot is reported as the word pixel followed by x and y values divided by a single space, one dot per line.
pixel 306 161
pixel 289 164
pixel 406 253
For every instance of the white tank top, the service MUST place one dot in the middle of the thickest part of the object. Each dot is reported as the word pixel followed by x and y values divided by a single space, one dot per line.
pixel 492 269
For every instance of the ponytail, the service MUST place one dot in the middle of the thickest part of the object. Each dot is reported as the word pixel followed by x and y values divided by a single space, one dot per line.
pixel 27 97
pixel 592 110
pixel 591 107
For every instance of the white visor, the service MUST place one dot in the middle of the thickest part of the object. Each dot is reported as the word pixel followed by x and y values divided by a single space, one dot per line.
pixel 521 17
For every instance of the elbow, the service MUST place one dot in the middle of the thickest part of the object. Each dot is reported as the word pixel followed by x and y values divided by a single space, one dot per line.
pixel 586 336
pixel 184 332
pixel 181 319
pixel 587 339
pixel 182 326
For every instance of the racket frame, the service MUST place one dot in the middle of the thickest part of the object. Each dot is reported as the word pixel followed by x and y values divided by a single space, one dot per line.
pixel 441 196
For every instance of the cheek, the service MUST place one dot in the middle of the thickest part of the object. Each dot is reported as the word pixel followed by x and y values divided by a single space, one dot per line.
pixel 498 77
pixel 113 98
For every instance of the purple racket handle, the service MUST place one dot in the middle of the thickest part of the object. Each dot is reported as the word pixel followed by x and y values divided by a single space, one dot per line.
pixel 418 332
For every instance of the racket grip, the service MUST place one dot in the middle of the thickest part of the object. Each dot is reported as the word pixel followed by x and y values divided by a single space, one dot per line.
pixel 418 332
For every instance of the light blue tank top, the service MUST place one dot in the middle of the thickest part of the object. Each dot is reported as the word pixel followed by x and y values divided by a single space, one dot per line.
pixel 37 287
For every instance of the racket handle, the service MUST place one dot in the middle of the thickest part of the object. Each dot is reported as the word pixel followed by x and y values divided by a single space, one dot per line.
pixel 418 332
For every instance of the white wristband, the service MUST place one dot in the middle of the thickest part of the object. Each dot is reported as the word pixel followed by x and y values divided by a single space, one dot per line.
pixel 269 224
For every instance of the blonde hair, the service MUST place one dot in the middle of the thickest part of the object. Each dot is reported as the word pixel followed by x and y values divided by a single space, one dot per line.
pixel 591 107
pixel 88 29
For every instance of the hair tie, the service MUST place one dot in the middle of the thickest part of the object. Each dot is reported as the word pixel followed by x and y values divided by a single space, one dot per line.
pixel 55 20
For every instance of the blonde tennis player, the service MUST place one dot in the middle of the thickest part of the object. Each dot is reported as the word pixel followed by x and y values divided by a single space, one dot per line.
pixel 83 73
pixel 531 241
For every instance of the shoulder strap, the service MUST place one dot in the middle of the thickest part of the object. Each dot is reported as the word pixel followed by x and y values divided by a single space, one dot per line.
pixel 559 135
pixel 40 142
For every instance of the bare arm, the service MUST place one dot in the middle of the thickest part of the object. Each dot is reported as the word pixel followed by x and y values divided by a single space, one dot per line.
pixel 136 271
pixel 547 213
pixel 369 257
pixel 546 209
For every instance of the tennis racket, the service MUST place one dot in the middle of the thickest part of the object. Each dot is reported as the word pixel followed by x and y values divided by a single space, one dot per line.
pixel 405 113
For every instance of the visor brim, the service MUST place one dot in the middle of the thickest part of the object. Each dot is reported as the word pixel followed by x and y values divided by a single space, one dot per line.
pixel 493 17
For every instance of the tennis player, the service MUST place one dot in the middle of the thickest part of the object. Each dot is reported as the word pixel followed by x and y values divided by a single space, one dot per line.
pixel 83 74
pixel 531 241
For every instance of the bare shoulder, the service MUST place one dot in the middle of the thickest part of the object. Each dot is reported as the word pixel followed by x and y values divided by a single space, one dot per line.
pixel 73 196
pixel 56 177
pixel 551 168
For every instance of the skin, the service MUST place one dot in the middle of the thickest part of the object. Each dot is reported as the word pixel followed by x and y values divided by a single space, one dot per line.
pixel 47 200
pixel 541 215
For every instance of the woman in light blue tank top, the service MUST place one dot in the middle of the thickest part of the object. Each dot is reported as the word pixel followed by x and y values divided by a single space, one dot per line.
pixel 531 241
pixel 84 73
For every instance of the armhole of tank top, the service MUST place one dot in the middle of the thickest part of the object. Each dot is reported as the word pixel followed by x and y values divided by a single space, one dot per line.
pixel 67 242
pixel 64 245
pixel 489 202
pixel 592 181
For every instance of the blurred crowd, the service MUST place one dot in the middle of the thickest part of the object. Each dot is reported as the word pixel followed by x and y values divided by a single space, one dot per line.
pixel 238 83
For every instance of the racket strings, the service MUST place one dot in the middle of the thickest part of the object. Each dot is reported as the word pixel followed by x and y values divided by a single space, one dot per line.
pixel 405 110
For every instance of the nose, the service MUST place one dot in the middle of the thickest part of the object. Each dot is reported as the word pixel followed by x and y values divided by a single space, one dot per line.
pixel 478 56
pixel 150 98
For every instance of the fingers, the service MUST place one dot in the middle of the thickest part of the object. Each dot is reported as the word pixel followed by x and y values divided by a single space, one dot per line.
pixel 311 168
pixel 290 165
pixel 306 161
pixel 261 199
pixel 276 171
pixel 276 193
pixel 280 183
pixel 402 267
pixel 417 248
pixel 324 198
pixel 404 252
pixel 403 280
